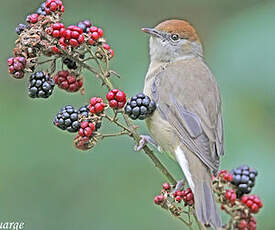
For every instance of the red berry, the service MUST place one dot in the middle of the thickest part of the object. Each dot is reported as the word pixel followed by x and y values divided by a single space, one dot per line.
pixel 252 202
pixel 242 224
pixel 95 36
pixel 100 32
pixel 75 34
pixel 10 61
pixel 91 42
pixel 33 18
pixel 73 42
pixel 96 105
pixel 56 33
pixel 254 208
pixel 52 6
pixel 113 104
pixel 68 34
pixel 110 95
pixel 188 196
pixel 68 81
pixel 159 199
pixel 166 186
pixel 106 46
pixel 81 38
pixel 178 198
pixel 93 29
pixel 111 53
pixel 116 98
pixel 120 96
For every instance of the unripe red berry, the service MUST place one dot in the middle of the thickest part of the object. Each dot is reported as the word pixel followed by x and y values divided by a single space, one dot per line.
pixel 33 18
pixel 242 225
pixel 96 105
pixel 159 199
pixel 178 199
pixel 116 98
pixel 166 186
pixel 100 32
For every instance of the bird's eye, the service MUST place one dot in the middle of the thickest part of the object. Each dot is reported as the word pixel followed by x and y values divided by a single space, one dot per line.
pixel 175 37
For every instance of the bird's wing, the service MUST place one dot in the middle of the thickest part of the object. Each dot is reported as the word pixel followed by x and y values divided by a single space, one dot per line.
pixel 188 98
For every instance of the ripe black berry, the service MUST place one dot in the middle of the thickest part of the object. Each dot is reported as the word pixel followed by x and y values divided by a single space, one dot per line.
pixel 84 25
pixel 41 9
pixel 243 179
pixel 20 28
pixel 140 107
pixel 70 63
pixel 84 111
pixel 67 119
pixel 41 85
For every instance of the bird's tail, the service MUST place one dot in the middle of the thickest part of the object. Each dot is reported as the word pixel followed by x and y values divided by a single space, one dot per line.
pixel 200 181
pixel 205 205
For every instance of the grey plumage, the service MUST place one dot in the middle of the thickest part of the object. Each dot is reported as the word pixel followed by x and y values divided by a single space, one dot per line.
pixel 189 115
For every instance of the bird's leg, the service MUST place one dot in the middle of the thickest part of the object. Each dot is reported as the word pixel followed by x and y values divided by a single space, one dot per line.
pixel 179 185
pixel 143 141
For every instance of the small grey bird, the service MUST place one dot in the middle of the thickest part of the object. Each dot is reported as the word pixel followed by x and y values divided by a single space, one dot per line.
pixel 187 123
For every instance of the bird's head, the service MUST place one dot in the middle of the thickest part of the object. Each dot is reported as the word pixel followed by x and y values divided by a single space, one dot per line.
pixel 172 40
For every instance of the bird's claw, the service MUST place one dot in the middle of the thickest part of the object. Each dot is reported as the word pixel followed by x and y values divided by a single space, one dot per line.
pixel 145 139
pixel 141 144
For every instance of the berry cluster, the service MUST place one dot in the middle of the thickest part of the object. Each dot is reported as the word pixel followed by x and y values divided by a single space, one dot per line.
pixel 116 98
pixel 96 105
pixel 52 6
pixel 253 202
pixel 32 18
pixel 94 34
pixel 67 119
pixel 56 30
pixel 68 81
pixel 173 199
pixel 81 121
pixel 73 36
pixel 247 224
pixel 41 85
pixel 244 179
pixel 17 66
pixel 140 107
pixel 230 195
pixel 185 195
pixel 86 129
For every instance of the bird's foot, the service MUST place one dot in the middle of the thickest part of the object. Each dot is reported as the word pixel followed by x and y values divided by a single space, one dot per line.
pixel 143 141
pixel 179 185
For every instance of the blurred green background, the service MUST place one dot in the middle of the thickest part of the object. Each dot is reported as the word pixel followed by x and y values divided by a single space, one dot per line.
pixel 48 184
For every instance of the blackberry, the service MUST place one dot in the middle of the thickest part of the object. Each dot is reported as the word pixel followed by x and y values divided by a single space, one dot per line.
pixel 20 28
pixel 84 25
pixel 41 9
pixel 41 85
pixel 84 110
pixel 244 179
pixel 67 119
pixel 140 107
pixel 70 63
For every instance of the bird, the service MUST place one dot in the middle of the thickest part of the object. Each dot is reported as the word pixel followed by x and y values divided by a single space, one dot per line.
pixel 187 123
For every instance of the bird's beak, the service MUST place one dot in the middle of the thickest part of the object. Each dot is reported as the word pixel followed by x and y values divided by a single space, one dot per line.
pixel 152 32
